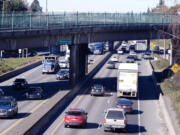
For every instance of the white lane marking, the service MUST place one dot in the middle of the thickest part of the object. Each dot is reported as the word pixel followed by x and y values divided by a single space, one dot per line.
pixel 139 120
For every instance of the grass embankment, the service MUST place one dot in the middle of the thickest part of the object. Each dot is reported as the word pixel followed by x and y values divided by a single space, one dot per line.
pixel 10 64
pixel 169 86
pixel 160 42
pixel 160 63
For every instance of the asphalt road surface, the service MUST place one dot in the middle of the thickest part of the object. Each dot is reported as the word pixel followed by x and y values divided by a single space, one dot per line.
pixel 35 78
pixel 146 118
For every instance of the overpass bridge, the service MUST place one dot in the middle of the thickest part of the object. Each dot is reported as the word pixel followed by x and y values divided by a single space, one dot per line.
pixel 32 30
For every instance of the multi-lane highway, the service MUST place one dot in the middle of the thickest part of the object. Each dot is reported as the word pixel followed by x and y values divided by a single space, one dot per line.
pixel 35 78
pixel 146 118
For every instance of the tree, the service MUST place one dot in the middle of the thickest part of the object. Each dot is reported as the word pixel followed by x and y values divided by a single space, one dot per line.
pixel 35 6
pixel 148 11
pixel 15 5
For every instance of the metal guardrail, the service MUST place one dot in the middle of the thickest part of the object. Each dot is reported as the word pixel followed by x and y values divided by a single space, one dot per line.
pixel 29 21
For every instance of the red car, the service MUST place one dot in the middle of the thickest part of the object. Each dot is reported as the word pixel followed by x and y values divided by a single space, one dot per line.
pixel 75 117
pixel 125 104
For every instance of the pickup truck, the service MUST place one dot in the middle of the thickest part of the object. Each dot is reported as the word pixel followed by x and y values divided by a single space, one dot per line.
pixel 115 118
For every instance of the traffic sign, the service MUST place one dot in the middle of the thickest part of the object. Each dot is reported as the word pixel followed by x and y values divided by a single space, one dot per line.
pixel 152 45
pixel 175 68
pixel 65 41
pixel 20 50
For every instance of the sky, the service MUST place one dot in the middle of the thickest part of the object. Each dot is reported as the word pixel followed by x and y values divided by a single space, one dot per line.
pixel 121 6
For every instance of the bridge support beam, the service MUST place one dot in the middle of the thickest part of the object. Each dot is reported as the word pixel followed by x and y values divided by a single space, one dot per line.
pixel 111 45
pixel 148 45
pixel 78 62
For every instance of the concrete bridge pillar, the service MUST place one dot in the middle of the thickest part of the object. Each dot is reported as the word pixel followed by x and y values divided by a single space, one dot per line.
pixel 78 62
pixel 148 45
pixel 111 45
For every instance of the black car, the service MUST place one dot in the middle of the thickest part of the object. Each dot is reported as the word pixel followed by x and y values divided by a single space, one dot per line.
pixel 20 83
pixel 34 93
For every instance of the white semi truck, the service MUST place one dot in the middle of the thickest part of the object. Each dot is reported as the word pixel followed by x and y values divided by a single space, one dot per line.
pixel 50 64
pixel 127 80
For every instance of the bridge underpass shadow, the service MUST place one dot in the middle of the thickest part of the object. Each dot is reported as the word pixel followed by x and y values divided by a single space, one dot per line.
pixel 147 90
pixel 49 89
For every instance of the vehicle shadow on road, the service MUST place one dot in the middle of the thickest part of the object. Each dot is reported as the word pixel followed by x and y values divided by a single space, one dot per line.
pixel 91 125
pixel 131 129
pixel 135 112
pixel 49 89
pixel 22 115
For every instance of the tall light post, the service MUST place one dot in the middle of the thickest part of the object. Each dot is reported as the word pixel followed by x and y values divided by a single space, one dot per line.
pixel 46 6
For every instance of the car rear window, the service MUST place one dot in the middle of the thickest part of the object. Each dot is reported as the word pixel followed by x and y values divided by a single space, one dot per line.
pixel 19 80
pixel 115 115
pixel 74 113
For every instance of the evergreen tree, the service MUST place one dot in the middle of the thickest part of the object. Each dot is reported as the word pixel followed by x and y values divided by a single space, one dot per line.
pixel 35 6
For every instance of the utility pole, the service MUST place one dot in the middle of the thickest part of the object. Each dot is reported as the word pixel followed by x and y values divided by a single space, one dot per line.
pixel 46 6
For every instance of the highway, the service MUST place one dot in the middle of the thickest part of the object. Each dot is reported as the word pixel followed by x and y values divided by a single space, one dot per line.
pixel 145 120
pixel 35 78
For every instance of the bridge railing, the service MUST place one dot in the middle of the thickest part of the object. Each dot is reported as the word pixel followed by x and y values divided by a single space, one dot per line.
pixel 30 21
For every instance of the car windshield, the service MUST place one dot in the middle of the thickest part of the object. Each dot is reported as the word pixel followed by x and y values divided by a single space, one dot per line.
pixel 5 103
pixel 19 80
pixel 115 115
pixel 49 61
pixel 61 71
pixel 124 102
pixel 98 86
pixel 62 62
pixel 74 113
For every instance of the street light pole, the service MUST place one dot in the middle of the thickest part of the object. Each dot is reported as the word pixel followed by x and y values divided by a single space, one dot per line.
pixel 46 6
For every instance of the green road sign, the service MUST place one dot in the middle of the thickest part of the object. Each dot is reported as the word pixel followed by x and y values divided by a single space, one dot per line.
pixel 65 41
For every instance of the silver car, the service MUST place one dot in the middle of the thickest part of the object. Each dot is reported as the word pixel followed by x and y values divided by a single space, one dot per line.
pixel 8 107
pixel 115 118
pixel 97 89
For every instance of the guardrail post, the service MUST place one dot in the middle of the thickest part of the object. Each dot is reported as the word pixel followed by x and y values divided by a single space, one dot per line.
pixel 12 21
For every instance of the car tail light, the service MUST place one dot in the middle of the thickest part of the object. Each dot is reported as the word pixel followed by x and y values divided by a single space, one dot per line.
pixel 118 106
pixel 104 120
pixel 128 106
pixel 125 122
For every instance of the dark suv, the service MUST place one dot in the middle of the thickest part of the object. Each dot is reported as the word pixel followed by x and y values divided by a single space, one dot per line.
pixel 8 107
pixel 20 83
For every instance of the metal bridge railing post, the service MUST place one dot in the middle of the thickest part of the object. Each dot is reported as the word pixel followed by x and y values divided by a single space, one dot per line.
pixel 30 21
pixel 77 18
pixel 105 18
pixel 47 21
pixel 12 21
